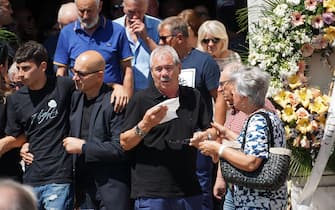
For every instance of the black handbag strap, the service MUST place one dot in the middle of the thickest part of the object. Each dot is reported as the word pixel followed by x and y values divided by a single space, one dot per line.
pixel 268 122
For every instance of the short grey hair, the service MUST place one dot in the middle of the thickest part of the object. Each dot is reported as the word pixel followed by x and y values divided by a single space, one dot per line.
pixel 67 9
pixel 163 50
pixel 23 196
pixel 251 82
pixel 176 25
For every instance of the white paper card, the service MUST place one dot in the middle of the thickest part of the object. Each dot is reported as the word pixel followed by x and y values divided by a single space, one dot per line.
pixel 173 105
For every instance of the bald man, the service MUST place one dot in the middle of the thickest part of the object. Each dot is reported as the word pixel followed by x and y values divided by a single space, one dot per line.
pixel 101 168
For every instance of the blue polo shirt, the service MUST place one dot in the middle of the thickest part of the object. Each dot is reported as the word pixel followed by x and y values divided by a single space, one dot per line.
pixel 141 60
pixel 109 39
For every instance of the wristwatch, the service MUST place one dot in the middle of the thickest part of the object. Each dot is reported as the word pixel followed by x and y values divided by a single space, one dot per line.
pixel 139 131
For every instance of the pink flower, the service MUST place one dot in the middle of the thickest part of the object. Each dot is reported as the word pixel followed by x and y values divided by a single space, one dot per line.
pixel 319 42
pixel 307 50
pixel 310 5
pixel 302 113
pixel 328 17
pixel 317 21
pixel 297 19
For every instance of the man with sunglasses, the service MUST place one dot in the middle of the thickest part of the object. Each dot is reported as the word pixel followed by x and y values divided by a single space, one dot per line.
pixel 143 37
pixel 101 169
pixel 199 70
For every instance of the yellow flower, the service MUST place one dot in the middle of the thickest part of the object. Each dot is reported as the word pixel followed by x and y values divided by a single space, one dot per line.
pixel 288 114
pixel 281 98
pixel 304 125
pixel 330 5
pixel 319 105
pixel 305 95
pixel 330 33
pixel 294 81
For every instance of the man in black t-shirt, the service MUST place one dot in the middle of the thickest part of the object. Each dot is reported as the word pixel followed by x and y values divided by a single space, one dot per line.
pixel 163 165
pixel 39 113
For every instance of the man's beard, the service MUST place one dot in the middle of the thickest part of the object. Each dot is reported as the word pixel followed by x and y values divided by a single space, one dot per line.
pixel 89 25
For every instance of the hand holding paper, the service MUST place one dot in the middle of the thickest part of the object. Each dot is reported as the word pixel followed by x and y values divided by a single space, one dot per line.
pixel 173 105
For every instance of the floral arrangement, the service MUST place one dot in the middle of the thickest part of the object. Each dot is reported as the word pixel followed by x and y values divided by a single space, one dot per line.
pixel 287 34
pixel 303 111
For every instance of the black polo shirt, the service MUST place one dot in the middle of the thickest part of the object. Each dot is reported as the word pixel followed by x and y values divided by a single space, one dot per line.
pixel 160 168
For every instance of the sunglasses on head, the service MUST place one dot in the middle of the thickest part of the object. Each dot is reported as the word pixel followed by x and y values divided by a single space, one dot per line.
pixel 214 40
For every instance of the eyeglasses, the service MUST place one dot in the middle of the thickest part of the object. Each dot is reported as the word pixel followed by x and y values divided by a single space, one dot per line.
pixel 223 83
pixel 214 40
pixel 15 85
pixel 82 74
pixel 166 67
pixel 163 38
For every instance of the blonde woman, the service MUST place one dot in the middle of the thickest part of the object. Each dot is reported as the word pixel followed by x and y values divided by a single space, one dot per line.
pixel 213 39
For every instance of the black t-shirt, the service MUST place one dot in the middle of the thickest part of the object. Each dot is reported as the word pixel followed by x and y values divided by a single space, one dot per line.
pixel 43 116
pixel 10 161
pixel 159 168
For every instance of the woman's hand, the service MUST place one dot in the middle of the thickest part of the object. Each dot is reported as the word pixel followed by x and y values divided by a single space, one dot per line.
pixel 209 147
pixel 198 137
pixel 220 130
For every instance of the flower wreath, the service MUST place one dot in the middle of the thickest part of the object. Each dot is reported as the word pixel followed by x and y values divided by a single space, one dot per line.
pixel 289 32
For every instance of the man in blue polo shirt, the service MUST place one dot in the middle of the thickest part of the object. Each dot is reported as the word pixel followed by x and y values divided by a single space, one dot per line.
pixel 143 37
pixel 94 32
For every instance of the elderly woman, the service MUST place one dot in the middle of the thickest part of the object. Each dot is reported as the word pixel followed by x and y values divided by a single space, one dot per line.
pixel 248 88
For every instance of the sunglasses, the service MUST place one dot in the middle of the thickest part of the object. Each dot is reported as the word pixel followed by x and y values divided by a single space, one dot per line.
pixel 117 7
pixel 15 85
pixel 82 74
pixel 214 40
pixel 163 38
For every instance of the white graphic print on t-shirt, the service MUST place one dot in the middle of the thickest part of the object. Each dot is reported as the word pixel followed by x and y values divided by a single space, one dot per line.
pixel 44 115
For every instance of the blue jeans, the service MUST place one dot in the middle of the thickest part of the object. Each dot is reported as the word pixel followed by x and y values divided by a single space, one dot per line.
pixel 205 175
pixel 54 196
pixel 229 200
pixel 184 203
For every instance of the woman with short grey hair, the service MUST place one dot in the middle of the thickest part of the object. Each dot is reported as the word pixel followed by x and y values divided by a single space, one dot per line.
pixel 248 88
pixel 252 83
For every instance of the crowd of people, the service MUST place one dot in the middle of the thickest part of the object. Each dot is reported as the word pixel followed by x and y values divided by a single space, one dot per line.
pixel 132 112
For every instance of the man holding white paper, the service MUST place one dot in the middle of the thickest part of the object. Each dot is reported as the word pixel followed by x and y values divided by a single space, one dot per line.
pixel 163 164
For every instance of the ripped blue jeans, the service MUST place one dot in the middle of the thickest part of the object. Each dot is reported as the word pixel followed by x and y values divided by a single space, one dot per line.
pixel 54 196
